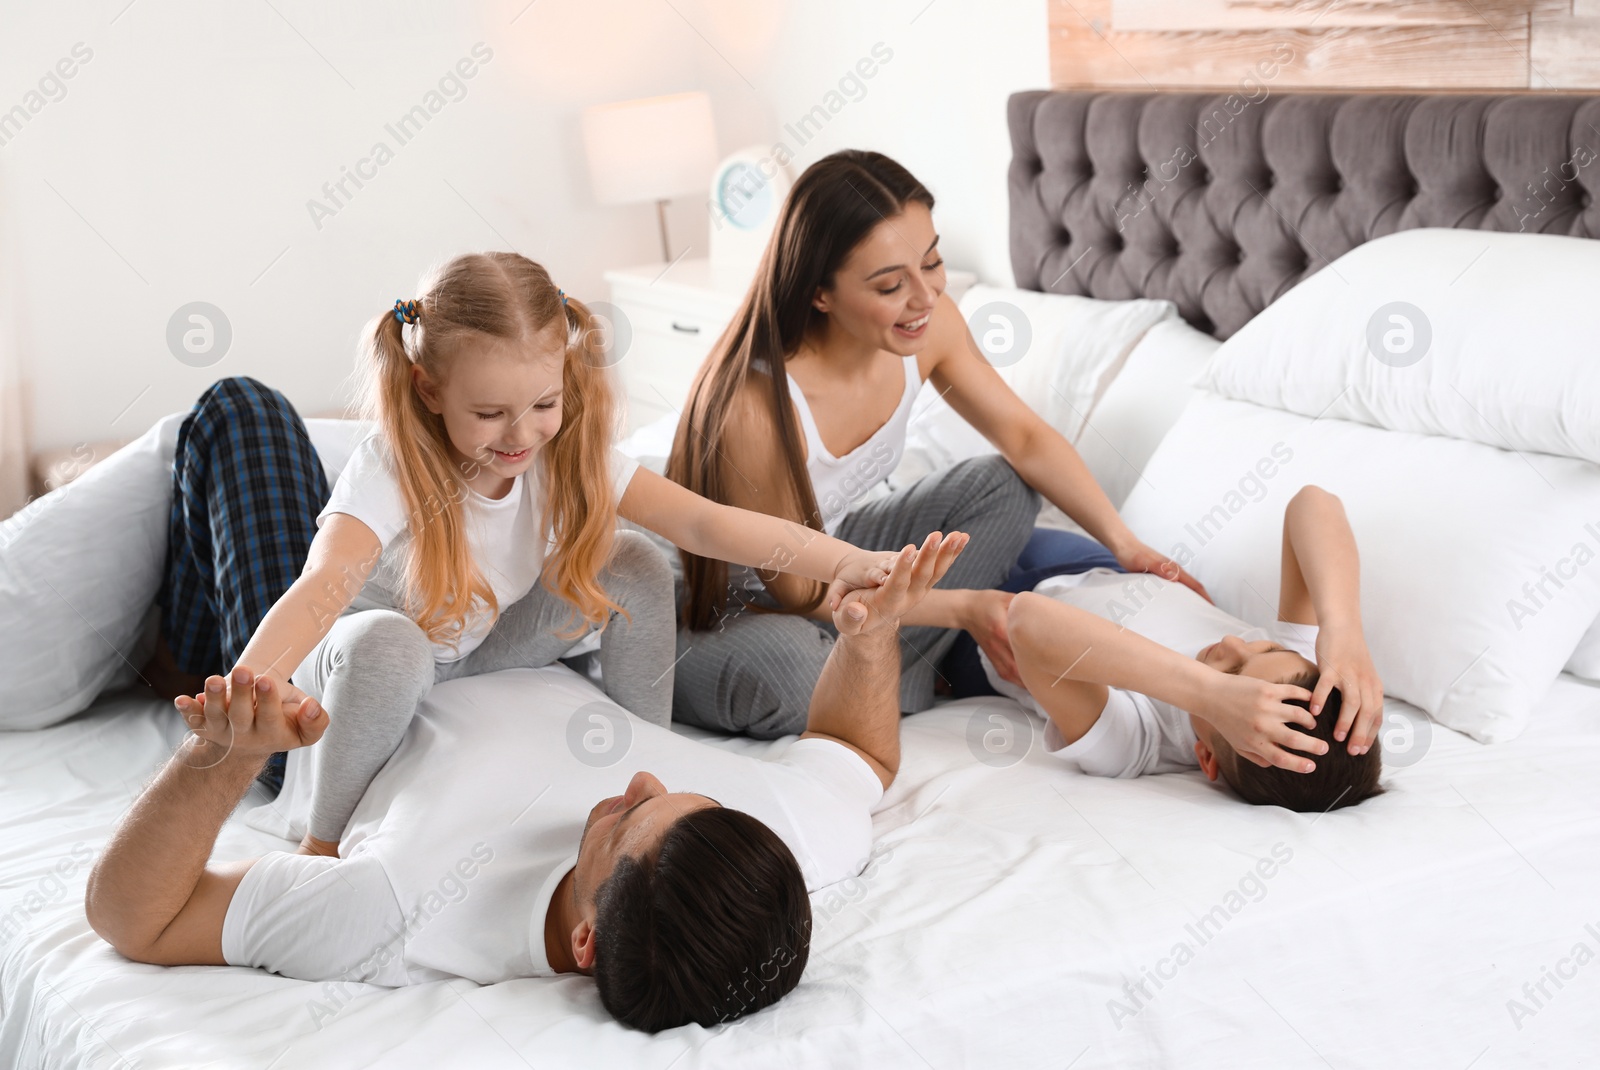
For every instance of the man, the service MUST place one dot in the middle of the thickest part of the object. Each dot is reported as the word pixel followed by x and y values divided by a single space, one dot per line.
pixel 1138 675
pixel 477 852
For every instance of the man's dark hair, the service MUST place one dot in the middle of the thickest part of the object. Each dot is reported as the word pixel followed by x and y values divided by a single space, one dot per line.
pixel 716 925
pixel 1340 779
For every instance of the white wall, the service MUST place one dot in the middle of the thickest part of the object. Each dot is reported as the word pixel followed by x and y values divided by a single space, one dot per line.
pixel 178 165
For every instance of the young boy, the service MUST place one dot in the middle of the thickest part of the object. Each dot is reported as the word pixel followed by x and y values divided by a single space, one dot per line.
pixel 1137 674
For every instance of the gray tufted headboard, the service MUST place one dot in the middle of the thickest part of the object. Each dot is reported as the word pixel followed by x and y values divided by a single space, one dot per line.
pixel 1221 202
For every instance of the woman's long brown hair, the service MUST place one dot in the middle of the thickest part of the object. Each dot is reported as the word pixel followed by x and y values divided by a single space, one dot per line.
pixel 507 296
pixel 833 206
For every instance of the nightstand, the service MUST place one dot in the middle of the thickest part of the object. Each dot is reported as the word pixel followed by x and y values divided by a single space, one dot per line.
pixel 675 316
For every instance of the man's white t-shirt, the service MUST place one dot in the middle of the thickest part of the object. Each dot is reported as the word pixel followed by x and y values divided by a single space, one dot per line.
pixel 1136 734
pixel 503 533
pixel 450 860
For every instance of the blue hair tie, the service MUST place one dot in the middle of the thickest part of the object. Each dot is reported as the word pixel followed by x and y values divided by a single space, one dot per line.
pixel 562 294
pixel 407 311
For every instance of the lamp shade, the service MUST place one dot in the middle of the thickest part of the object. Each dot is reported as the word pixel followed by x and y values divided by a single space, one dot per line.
pixel 650 150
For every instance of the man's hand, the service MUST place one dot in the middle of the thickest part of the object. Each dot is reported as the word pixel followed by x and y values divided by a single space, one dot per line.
pixel 912 574
pixel 251 718
pixel 1141 558
pixel 857 698
pixel 1254 717
pixel 1344 662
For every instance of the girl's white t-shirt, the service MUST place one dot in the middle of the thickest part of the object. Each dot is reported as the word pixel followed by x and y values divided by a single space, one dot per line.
pixel 503 533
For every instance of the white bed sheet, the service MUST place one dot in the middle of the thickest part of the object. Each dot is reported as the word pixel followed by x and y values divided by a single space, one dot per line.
pixel 1006 910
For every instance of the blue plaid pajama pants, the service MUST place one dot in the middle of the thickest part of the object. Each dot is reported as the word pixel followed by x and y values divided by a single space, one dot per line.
pixel 246 490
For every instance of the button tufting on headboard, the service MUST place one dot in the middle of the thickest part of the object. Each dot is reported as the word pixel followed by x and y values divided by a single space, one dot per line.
pixel 1221 202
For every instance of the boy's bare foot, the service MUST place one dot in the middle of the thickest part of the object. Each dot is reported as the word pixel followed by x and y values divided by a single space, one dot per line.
pixel 313 846
pixel 164 676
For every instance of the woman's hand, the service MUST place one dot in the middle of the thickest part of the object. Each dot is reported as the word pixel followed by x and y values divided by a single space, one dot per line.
pixel 1141 558
pixel 860 570
pixel 1254 717
pixel 1344 662
pixel 988 629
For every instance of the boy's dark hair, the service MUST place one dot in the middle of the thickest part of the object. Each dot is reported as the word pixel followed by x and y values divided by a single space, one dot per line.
pixel 716 925
pixel 1339 780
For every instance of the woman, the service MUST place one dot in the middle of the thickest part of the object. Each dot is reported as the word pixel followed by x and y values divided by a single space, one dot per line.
pixel 801 409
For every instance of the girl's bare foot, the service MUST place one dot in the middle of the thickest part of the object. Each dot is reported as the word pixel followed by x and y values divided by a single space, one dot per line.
pixel 313 846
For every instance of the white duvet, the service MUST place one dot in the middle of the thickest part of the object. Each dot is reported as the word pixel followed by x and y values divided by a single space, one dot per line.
pixel 1012 917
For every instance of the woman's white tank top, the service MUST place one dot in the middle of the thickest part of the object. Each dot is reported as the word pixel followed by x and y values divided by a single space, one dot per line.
pixel 839 482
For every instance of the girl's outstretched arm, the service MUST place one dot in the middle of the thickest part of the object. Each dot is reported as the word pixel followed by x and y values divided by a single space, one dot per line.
pixel 342 555
pixel 746 537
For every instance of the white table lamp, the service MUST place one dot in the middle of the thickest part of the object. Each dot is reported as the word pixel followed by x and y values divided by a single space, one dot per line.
pixel 652 149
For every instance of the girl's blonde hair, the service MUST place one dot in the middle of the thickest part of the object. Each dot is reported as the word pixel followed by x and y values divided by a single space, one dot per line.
pixel 505 296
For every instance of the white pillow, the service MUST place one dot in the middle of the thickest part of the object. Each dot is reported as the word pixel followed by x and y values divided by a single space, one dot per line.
pixel 79 570
pixel 1450 532
pixel 335 441
pixel 651 445
pixel 1141 405
pixel 1485 336
pixel 1059 352
pixel 81 566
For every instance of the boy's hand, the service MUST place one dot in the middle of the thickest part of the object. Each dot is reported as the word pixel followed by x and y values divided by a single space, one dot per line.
pixel 1345 663
pixel 912 575
pixel 248 717
pixel 1254 717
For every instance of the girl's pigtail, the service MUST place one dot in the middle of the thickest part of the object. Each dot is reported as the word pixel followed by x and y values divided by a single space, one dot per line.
pixel 582 513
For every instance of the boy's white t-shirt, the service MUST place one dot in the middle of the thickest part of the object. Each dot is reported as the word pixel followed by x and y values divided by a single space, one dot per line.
pixel 451 858
pixel 1137 734
pixel 503 533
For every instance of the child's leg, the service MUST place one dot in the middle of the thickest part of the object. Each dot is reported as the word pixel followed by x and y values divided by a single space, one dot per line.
pixel 636 656
pixel 369 672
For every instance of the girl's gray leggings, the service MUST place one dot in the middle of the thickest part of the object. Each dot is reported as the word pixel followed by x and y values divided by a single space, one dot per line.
pixel 375 665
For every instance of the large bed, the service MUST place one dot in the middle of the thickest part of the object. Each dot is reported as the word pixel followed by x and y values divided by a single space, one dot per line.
pixel 1015 914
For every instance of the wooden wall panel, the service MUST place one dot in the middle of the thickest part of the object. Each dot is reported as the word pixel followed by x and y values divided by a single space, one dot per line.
pixel 1367 44
pixel 1565 52
pixel 1167 15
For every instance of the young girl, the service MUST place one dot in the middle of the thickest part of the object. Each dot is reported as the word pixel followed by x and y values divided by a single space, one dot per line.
pixel 811 389
pixel 475 530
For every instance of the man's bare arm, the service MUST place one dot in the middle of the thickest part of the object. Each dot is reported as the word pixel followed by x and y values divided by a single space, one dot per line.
pixel 151 895
pixel 857 698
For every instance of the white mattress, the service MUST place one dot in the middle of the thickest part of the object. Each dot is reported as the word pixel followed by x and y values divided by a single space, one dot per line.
pixel 1006 910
